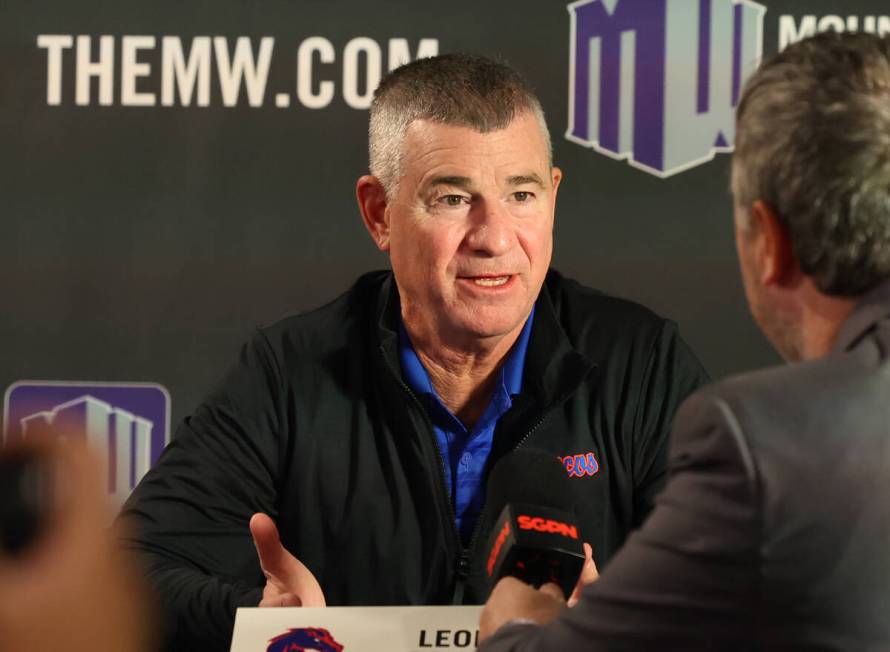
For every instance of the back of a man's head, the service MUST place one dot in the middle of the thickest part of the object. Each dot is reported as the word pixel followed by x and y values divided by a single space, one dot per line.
pixel 813 143
pixel 454 89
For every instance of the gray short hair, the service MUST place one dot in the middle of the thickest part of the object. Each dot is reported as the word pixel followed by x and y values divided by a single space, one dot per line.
pixel 813 142
pixel 454 89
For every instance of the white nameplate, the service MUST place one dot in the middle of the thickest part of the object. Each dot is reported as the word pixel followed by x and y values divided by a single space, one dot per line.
pixel 356 629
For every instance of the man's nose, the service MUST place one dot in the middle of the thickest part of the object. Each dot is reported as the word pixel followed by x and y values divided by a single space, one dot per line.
pixel 491 229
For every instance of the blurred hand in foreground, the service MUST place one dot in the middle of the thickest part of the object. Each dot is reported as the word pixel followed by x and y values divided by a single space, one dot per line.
pixel 71 588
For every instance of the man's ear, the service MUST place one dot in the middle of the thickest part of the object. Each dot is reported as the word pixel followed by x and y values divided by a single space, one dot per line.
pixel 773 252
pixel 555 178
pixel 372 204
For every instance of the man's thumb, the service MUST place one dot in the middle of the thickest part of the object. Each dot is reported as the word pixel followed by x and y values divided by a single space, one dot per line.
pixel 280 567
pixel 268 545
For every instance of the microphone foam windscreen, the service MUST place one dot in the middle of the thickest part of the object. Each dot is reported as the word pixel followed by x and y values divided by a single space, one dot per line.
pixel 529 476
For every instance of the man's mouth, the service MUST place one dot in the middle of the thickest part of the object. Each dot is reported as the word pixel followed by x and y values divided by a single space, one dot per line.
pixel 489 281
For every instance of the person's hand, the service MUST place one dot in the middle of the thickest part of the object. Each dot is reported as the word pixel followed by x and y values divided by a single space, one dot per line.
pixel 513 599
pixel 589 575
pixel 288 582
pixel 71 588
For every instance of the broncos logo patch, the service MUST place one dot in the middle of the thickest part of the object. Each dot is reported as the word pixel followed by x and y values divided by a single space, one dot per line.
pixel 305 639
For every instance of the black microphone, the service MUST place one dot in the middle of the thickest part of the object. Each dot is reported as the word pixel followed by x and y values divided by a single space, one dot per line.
pixel 536 537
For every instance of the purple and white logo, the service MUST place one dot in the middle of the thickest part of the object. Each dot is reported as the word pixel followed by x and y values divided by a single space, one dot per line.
pixel 127 423
pixel 656 82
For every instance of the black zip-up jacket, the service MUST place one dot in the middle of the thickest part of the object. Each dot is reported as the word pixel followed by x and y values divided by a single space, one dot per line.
pixel 315 426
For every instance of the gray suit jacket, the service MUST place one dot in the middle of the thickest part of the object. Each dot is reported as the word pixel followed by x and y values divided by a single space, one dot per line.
pixel 774 528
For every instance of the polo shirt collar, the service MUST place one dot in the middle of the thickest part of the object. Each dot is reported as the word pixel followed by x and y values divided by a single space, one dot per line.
pixel 415 374
pixel 555 367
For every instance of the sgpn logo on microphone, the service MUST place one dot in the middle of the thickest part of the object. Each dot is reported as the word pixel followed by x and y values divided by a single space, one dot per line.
pixel 550 525
pixel 127 424
pixel 656 82
pixel 304 639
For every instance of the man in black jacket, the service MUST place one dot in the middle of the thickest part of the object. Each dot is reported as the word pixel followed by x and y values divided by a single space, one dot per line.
pixel 773 531
pixel 358 436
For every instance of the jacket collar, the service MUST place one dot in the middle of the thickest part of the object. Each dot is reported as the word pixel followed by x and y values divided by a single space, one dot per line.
pixel 387 320
pixel 872 307
pixel 553 367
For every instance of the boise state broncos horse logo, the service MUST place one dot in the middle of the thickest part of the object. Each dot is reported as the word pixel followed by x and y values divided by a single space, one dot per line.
pixel 304 639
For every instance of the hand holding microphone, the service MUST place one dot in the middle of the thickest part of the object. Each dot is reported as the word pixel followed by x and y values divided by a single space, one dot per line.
pixel 535 543
pixel 536 537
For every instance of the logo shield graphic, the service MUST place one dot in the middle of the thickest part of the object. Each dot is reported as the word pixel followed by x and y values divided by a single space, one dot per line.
pixel 126 424
pixel 656 82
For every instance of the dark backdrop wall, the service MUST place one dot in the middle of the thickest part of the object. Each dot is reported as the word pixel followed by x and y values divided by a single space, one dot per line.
pixel 143 233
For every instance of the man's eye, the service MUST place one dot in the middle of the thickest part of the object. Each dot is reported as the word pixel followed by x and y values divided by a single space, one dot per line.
pixel 452 200
pixel 522 195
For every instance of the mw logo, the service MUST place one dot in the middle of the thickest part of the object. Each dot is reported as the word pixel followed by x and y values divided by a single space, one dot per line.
pixel 656 82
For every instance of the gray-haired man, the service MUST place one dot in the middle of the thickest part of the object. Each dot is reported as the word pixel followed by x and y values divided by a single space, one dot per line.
pixel 774 528
pixel 364 430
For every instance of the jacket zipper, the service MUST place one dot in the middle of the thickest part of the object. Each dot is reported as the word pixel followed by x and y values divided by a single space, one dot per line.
pixel 465 555
pixel 464 562
pixel 443 493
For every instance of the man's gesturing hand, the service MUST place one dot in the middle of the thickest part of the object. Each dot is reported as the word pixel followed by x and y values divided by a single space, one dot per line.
pixel 288 582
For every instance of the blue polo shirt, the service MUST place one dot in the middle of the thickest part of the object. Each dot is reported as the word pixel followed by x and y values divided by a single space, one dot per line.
pixel 464 451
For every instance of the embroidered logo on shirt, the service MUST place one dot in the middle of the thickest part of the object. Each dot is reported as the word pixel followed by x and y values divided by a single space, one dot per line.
pixel 578 466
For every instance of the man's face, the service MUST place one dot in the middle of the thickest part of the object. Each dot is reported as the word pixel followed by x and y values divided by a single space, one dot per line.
pixel 471 228
pixel 777 321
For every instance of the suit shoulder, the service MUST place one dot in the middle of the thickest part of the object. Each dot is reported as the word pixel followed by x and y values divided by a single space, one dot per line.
pixel 839 398
pixel 789 382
